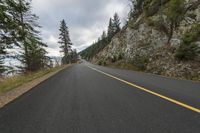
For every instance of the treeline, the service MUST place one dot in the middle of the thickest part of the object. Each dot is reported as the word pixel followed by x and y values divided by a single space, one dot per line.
pixel 69 55
pixel 19 30
pixel 104 40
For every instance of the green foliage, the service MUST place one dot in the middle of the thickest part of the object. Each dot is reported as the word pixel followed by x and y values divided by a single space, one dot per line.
pixel 171 13
pixel 120 56
pixel 114 26
pixel 104 40
pixel 102 63
pixel 94 49
pixel 140 62
pixel 158 24
pixel 70 58
pixel 35 57
pixel 73 56
pixel 188 50
pixel 151 7
pixel 116 23
pixel 15 81
pixel 175 13
pixel 18 29
pixel 137 9
pixel 65 43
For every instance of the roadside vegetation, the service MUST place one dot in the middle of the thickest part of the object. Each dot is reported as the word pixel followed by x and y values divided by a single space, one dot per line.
pixel 8 84
pixel 69 55
pixel 20 32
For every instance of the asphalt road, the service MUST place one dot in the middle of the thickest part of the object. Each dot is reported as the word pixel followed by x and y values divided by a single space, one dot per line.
pixel 82 100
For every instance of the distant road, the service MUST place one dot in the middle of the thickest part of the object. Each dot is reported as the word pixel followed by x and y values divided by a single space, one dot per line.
pixel 86 98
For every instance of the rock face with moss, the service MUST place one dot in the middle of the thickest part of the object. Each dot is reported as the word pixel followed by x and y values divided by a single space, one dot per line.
pixel 144 43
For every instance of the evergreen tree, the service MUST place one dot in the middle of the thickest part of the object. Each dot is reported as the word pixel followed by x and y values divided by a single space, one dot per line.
pixel 104 40
pixel 35 57
pixel 116 23
pixel 7 29
pixel 21 26
pixel 175 14
pixel 28 35
pixel 74 56
pixel 110 29
pixel 64 41
pixel 18 28
pixel 7 23
pixel 137 9
pixel 2 67
pixel 103 36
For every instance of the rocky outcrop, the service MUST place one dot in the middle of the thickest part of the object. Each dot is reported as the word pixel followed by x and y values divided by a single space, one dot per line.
pixel 146 46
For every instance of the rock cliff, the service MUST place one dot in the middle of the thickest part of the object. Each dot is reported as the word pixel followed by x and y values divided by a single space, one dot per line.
pixel 144 48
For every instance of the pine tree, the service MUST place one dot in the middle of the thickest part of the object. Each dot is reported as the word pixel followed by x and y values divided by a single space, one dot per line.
pixel 137 8
pixel 175 14
pixel 26 33
pixel 7 24
pixel 36 56
pixel 18 28
pixel 103 36
pixel 6 36
pixel 116 23
pixel 74 56
pixel 110 29
pixel 65 41
pixel 2 67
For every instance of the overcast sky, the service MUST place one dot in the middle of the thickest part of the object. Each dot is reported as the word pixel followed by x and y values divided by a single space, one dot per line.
pixel 86 19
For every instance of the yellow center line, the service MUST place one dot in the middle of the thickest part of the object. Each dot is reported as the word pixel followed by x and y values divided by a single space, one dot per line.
pixel 149 91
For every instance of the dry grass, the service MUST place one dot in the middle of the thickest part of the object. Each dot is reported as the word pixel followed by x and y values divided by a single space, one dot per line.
pixel 13 82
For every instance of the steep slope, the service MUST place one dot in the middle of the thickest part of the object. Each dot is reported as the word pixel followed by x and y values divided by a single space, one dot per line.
pixel 142 45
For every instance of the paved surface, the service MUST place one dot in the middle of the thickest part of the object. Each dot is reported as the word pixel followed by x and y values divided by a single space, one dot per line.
pixel 81 100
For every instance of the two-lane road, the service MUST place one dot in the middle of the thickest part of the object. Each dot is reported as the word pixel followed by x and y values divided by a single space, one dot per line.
pixel 86 99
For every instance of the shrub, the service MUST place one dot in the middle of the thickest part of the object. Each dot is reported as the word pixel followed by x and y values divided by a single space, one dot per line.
pixel 140 62
pixel 102 62
pixel 151 7
pixel 120 56
pixel 150 22
pixel 188 50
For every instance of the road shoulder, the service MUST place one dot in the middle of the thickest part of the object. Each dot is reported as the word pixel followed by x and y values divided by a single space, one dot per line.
pixel 11 95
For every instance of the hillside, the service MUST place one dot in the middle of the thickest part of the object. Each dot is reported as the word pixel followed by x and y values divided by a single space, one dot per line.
pixel 160 38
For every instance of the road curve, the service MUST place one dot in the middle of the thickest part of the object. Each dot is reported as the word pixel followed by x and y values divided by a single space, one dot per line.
pixel 82 100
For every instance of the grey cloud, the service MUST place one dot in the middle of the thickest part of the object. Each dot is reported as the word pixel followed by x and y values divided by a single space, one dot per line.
pixel 86 19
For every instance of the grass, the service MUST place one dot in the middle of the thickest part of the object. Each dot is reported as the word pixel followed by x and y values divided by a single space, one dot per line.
pixel 8 84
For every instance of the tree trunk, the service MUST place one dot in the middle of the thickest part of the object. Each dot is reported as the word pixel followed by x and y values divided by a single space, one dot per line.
pixel 170 35
pixel 24 39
